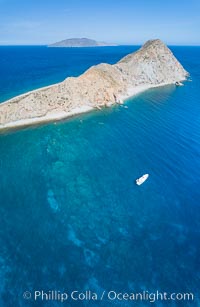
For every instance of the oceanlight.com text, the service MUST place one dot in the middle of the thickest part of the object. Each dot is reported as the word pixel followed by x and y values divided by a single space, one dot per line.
pixel 152 297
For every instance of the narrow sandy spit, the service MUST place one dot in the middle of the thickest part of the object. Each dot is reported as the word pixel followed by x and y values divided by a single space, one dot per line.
pixel 51 117
pixel 103 85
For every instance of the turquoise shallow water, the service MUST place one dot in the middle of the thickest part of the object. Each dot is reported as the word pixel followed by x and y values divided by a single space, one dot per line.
pixel 72 217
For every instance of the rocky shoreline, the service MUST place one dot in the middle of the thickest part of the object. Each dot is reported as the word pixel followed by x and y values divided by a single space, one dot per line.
pixel 100 86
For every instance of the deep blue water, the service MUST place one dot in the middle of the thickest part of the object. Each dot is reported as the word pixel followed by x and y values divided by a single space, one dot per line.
pixel 71 214
pixel 24 68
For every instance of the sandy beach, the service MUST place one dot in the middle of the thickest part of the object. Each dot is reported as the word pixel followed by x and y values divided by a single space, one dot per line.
pixel 100 86
pixel 56 116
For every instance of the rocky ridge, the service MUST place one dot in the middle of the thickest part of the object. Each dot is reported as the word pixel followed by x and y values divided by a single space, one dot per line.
pixel 101 85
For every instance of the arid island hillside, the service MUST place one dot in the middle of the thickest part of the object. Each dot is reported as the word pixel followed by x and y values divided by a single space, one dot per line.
pixel 102 85
pixel 80 42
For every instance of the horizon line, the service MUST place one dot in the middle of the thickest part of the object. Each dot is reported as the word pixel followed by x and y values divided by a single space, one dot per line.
pixel 118 45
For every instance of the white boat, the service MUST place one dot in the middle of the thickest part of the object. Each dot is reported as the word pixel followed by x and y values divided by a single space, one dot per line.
pixel 177 83
pixel 142 179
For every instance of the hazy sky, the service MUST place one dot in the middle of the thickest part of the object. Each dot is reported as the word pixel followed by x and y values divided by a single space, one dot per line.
pixel 120 21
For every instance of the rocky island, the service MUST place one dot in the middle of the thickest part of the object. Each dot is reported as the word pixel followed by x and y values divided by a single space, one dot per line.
pixel 100 86
pixel 80 42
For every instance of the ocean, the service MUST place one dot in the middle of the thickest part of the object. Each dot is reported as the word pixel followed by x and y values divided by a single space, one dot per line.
pixel 72 217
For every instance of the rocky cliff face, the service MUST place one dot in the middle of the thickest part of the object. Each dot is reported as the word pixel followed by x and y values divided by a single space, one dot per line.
pixel 154 63
pixel 101 85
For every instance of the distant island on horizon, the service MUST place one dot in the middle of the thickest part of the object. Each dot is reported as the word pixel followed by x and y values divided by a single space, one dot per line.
pixel 80 42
